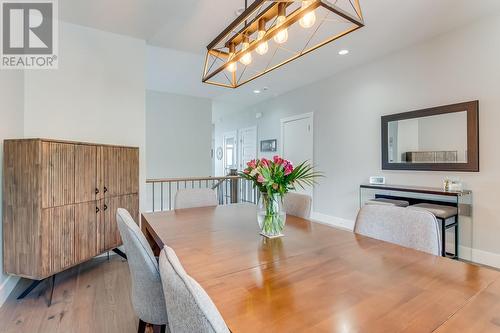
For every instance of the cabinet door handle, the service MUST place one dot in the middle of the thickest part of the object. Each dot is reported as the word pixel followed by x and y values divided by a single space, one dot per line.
pixel 97 210
pixel 105 207
pixel 96 191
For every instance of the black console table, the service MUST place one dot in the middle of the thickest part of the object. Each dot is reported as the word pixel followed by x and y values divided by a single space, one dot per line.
pixel 417 189
pixel 462 200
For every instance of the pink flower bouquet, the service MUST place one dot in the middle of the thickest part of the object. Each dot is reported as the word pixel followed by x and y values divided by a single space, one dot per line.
pixel 274 178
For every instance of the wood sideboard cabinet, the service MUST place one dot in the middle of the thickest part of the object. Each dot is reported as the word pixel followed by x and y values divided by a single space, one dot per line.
pixel 60 200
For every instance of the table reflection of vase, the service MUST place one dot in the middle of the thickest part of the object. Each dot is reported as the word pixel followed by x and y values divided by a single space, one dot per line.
pixel 274 284
pixel 270 250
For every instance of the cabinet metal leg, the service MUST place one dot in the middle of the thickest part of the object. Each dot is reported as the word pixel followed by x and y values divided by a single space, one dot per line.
pixel 120 253
pixel 52 289
pixel 32 286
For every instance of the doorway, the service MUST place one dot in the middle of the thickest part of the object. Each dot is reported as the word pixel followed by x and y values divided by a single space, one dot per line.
pixel 297 141
pixel 230 152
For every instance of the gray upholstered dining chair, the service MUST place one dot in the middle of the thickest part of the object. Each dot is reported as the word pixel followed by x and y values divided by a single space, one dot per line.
pixel 298 205
pixel 192 198
pixel 402 226
pixel 147 292
pixel 189 307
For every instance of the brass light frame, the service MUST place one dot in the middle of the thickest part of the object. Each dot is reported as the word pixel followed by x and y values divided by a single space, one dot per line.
pixel 252 20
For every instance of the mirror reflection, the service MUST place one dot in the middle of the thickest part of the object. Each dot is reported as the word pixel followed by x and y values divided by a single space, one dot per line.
pixel 434 139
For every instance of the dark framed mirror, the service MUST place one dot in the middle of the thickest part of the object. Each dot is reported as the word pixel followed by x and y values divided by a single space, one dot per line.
pixel 444 138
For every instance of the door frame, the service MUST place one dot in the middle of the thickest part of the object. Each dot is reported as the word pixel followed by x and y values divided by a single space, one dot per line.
pixel 283 121
pixel 294 118
pixel 240 151
pixel 230 134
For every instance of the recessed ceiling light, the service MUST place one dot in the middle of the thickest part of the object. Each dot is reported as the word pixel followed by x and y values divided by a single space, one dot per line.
pixel 343 52
pixel 256 91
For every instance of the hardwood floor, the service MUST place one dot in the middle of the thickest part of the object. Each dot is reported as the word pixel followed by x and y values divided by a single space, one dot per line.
pixel 92 297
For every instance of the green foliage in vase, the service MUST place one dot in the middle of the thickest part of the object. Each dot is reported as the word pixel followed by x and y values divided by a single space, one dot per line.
pixel 279 176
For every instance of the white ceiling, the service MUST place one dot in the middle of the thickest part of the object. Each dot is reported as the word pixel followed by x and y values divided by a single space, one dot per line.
pixel 178 32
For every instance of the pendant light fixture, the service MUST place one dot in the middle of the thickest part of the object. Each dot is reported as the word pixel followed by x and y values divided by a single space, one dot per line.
pixel 232 66
pixel 282 35
pixel 262 46
pixel 309 18
pixel 279 31
pixel 246 59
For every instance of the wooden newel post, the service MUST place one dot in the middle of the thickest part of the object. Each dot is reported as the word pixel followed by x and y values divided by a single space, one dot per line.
pixel 234 186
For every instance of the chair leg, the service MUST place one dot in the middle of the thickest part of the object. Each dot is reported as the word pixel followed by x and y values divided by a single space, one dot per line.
pixel 456 237
pixel 159 328
pixel 443 237
pixel 142 327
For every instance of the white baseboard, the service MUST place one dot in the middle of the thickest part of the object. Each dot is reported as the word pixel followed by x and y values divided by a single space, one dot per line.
pixel 332 221
pixel 479 256
pixel 474 255
pixel 6 288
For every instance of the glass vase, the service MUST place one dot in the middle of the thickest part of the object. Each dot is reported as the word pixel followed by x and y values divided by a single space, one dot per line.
pixel 271 215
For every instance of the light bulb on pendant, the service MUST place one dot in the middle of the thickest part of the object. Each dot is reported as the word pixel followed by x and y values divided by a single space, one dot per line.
pixel 232 67
pixel 263 47
pixel 282 36
pixel 309 18
pixel 246 59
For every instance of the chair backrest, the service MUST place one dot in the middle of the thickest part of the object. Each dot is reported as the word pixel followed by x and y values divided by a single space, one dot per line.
pixel 189 307
pixel 406 227
pixel 192 198
pixel 147 291
pixel 298 205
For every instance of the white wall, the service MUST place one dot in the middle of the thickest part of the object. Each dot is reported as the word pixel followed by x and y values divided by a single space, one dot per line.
pixel 11 126
pixel 178 136
pixel 96 95
pixel 459 66
pixel 169 70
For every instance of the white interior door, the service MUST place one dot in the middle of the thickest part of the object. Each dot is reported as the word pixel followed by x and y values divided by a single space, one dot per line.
pixel 297 141
pixel 248 145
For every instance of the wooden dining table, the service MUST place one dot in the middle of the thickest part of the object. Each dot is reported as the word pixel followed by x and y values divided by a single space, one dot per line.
pixel 318 278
